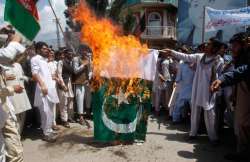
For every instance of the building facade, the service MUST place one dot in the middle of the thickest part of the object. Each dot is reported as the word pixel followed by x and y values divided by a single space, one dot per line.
pixel 157 19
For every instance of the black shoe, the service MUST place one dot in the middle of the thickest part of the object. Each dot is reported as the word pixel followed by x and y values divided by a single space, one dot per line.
pixel 50 138
pixel 215 143
pixel 191 138
pixel 237 157
pixel 176 122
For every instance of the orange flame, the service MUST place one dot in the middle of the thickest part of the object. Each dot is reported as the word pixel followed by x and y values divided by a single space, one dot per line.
pixel 114 54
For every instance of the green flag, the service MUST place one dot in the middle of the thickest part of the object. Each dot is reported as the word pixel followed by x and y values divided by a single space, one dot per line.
pixel 120 117
pixel 23 15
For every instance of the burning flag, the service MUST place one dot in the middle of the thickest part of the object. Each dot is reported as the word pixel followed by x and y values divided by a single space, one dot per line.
pixel 122 68
pixel 119 115
pixel 23 15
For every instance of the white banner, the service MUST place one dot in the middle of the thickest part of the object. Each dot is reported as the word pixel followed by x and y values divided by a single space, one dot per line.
pixel 219 19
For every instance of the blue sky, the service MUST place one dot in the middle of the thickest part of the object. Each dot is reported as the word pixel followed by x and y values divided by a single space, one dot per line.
pixel 48 28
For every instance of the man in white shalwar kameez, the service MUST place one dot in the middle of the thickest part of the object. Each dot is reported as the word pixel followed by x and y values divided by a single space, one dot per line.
pixel 209 67
pixel 3 117
pixel 46 94
pixel 12 139
pixel 162 84
pixel 6 111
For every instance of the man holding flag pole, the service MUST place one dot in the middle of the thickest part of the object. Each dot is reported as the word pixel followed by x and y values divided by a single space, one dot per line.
pixel 23 16
pixel 11 136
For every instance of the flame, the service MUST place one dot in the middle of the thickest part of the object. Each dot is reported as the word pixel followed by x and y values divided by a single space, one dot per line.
pixel 113 53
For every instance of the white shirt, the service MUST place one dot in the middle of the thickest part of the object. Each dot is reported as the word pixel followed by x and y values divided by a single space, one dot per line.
pixel 20 101
pixel 201 94
pixel 40 66
pixel 53 70
pixel 8 53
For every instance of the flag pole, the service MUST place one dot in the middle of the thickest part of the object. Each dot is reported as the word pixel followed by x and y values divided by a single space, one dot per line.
pixel 59 25
pixel 57 20
pixel 203 25
pixel 246 25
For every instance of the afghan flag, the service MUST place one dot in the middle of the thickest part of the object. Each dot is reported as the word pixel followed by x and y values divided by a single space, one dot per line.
pixel 23 15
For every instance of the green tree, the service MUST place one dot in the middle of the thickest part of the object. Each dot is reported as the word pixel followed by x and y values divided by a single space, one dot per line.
pixel 69 19
pixel 129 23
pixel 116 10
pixel 99 6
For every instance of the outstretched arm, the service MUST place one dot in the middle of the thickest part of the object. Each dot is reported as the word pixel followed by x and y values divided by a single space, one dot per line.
pixel 193 58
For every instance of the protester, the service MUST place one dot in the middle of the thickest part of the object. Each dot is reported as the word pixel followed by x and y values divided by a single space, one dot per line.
pixel 162 84
pixel 12 139
pixel 5 113
pixel 3 117
pixel 184 79
pixel 240 77
pixel 33 115
pixel 224 102
pixel 15 76
pixel 46 95
pixel 174 68
pixel 88 93
pixel 66 94
pixel 210 81
pixel 54 72
pixel 80 79
pixel 209 67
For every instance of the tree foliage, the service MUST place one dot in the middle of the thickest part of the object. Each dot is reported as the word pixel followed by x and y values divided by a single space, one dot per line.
pixel 99 6
pixel 116 10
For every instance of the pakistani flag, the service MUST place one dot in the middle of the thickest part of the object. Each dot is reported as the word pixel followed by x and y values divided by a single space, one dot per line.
pixel 119 114
pixel 120 117
pixel 23 15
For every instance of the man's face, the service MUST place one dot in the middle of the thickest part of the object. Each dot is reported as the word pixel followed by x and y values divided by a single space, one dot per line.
pixel 236 48
pixel 68 55
pixel 44 51
pixel 51 56
pixel 208 48
pixel 62 56
pixel 222 51
pixel 84 54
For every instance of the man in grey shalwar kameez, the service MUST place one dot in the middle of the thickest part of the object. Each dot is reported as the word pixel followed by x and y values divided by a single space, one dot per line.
pixel 209 67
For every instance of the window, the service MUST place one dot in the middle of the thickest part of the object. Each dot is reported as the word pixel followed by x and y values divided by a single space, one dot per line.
pixel 154 23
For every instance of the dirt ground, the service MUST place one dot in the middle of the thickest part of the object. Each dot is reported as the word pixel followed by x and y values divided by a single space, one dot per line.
pixel 165 143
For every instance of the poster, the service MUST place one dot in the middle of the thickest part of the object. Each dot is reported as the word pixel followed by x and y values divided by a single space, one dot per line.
pixel 191 15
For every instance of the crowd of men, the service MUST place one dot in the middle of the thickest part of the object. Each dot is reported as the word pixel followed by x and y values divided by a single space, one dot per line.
pixel 212 81
pixel 37 76
pixel 40 85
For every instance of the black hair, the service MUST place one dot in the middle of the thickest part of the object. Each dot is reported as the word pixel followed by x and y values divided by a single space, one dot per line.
pixel 217 44
pixel 225 45
pixel 201 47
pixel 39 45
pixel 239 37
pixel 83 47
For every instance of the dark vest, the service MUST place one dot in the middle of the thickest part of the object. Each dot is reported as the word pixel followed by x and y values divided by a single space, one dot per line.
pixel 82 76
pixel 67 71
